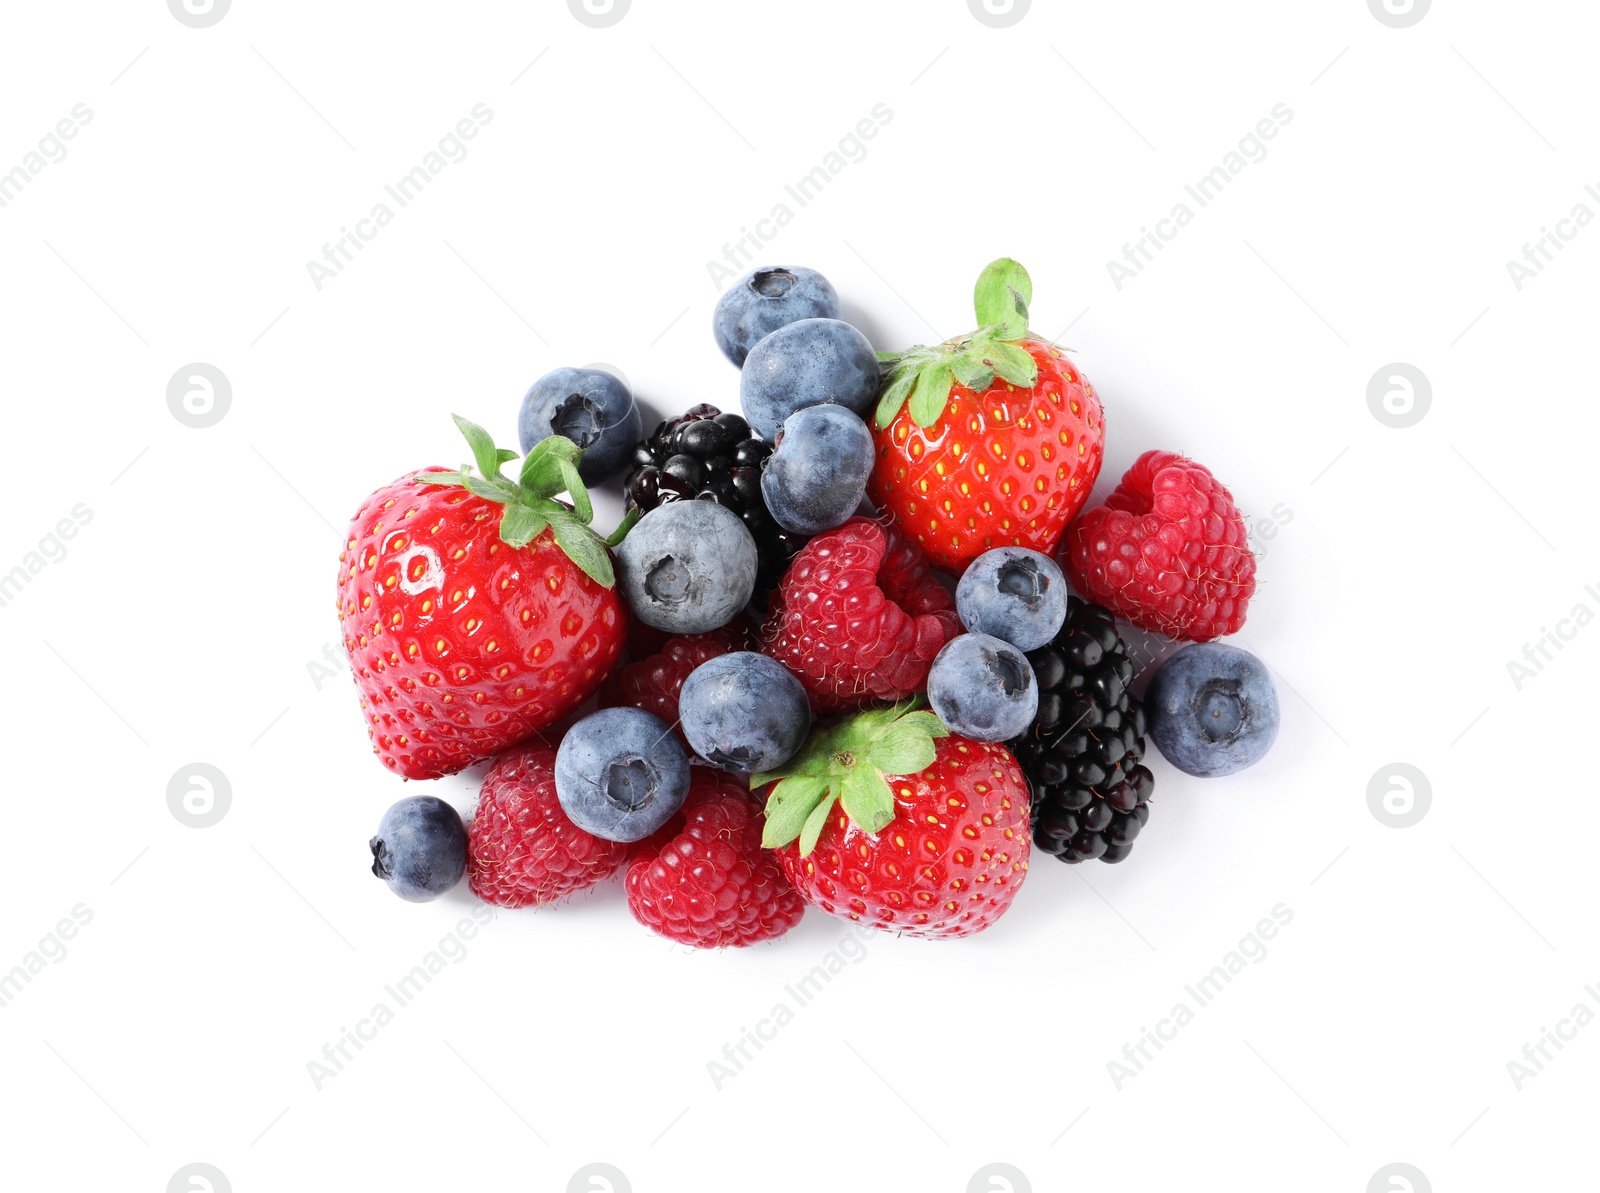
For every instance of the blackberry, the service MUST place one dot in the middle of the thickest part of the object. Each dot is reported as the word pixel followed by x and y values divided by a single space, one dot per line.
pixel 1083 752
pixel 706 454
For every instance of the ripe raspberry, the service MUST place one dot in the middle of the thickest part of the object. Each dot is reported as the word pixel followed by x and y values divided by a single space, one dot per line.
pixel 522 851
pixel 1166 551
pixel 654 683
pixel 859 617
pixel 712 885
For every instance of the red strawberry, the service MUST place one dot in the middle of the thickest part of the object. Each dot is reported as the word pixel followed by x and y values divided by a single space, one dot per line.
pixel 476 610
pixel 858 617
pixel 930 837
pixel 653 683
pixel 989 440
pixel 1167 551
pixel 711 884
pixel 522 851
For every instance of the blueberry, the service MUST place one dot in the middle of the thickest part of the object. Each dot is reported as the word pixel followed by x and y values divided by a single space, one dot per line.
pixel 807 364
pixel 1212 709
pixel 590 407
pixel 1013 594
pixel 687 566
pixel 744 711
pixel 983 688
pixel 621 774
pixel 766 299
pixel 420 849
pixel 817 475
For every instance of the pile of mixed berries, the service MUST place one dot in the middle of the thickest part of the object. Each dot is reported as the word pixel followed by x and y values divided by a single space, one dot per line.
pixel 830 656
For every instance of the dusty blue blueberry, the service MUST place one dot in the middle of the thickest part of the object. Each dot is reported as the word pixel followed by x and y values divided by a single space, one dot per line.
pixel 590 407
pixel 1013 594
pixel 687 567
pixel 420 849
pixel 806 364
pixel 1212 709
pixel 766 299
pixel 744 711
pixel 983 688
pixel 817 475
pixel 621 774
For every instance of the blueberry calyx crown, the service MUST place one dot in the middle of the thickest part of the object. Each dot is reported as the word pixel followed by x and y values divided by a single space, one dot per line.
pixel 380 858
pixel 530 504
pixel 847 762
pixel 923 375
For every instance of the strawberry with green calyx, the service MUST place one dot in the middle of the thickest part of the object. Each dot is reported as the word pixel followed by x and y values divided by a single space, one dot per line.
pixel 987 440
pixel 888 818
pixel 477 609
pixel 530 504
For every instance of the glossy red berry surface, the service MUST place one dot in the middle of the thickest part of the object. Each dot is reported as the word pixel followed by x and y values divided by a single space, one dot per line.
pixel 711 884
pixel 1167 551
pixel 859 617
pixel 461 645
pixel 1003 466
pixel 947 865
pixel 522 851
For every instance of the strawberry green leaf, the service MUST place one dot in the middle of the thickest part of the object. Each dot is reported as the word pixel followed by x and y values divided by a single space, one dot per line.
pixel 848 761
pixel 866 725
pixel 440 478
pixel 1012 363
pixel 550 468
pixel 541 471
pixel 894 396
pixel 582 507
pixel 866 798
pixel 561 448
pixel 933 388
pixel 973 374
pixel 1001 298
pixel 906 747
pixel 621 532
pixel 489 490
pixel 815 823
pixel 520 524
pixel 482 444
pixel 582 547
pixel 789 807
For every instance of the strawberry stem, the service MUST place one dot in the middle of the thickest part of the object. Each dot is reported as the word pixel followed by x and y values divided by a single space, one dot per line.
pixel 529 501
pixel 924 376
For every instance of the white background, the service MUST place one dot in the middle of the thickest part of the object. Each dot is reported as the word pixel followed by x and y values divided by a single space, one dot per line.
pixel 183 622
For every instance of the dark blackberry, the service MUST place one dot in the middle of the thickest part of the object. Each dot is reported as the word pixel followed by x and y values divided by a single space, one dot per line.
pixel 706 454
pixel 1082 755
